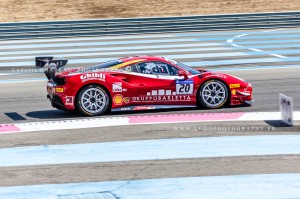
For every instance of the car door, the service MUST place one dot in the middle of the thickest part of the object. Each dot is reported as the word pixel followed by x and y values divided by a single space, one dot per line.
pixel 182 89
pixel 147 84
pixel 160 84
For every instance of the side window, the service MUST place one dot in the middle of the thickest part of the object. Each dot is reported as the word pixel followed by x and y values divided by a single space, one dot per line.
pixel 158 68
pixel 172 70
pixel 162 68
pixel 166 69
pixel 147 68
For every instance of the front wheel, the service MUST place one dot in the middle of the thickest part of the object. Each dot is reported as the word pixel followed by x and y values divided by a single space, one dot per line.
pixel 213 94
pixel 92 100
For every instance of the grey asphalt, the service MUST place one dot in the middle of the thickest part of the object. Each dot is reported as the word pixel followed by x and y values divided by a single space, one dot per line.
pixel 137 170
pixel 26 102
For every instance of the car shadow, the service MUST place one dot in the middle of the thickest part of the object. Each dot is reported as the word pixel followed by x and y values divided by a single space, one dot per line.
pixel 277 123
pixel 58 114
pixel 52 114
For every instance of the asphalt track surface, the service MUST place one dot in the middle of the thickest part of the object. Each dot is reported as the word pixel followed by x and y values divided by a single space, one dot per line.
pixel 269 59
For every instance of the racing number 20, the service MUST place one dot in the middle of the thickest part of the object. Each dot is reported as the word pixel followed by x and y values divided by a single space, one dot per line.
pixel 184 88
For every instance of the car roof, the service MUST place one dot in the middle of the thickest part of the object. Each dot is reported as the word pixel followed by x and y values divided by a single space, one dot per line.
pixel 144 58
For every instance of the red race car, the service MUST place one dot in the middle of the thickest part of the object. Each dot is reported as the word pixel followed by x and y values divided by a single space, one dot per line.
pixel 139 83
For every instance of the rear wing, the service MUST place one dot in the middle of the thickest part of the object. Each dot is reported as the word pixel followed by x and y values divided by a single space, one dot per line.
pixel 41 62
pixel 53 65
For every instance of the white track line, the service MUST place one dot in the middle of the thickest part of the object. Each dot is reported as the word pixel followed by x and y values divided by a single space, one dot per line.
pixel 257 50
pixel 280 56
pixel 235 45
pixel 230 41
pixel 242 35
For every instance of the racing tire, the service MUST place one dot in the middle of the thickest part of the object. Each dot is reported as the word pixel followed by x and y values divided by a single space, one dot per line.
pixel 92 100
pixel 213 94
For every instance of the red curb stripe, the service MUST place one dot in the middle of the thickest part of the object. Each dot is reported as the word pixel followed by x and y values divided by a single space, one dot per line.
pixel 8 128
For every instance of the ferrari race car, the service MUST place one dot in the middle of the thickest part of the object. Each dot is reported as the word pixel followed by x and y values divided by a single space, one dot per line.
pixel 139 83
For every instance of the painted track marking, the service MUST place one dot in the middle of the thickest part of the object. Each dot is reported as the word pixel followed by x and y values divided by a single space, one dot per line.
pixel 271 186
pixel 280 56
pixel 254 49
pixel 162 149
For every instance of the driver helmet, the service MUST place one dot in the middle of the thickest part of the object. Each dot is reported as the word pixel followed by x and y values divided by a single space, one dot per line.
pixel 162 68
pixel 150 68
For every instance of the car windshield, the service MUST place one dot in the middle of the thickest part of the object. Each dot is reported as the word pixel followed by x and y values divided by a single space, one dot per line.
pixel 103 65
pixel 187 68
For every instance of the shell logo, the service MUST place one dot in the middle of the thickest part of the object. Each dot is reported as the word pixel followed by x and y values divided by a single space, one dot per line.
pixel 118 99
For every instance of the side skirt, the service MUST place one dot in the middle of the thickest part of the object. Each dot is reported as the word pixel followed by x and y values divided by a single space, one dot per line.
pixel 150 107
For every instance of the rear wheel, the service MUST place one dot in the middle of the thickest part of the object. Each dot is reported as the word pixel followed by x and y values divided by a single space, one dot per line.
pixel 92 100
pixel 213 94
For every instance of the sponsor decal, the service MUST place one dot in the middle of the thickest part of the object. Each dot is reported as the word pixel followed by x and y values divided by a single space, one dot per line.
pixel 92 76
pixel 233 92
pixel 161 95
pixel 185 81
pixel 69 100
pixel 125 109
pixel 137 108
pixel 161 98
pixel 161 92
pixel 128 68
pixel 59 90
pixel 126 100
pixel 117 87
pixel 184 87
pixel 234 85
pixel 118 99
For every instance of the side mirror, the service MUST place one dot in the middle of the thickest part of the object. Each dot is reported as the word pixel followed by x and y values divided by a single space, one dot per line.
pixel 182 73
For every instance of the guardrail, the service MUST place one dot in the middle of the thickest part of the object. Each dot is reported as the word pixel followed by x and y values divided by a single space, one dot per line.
pixel 26 30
